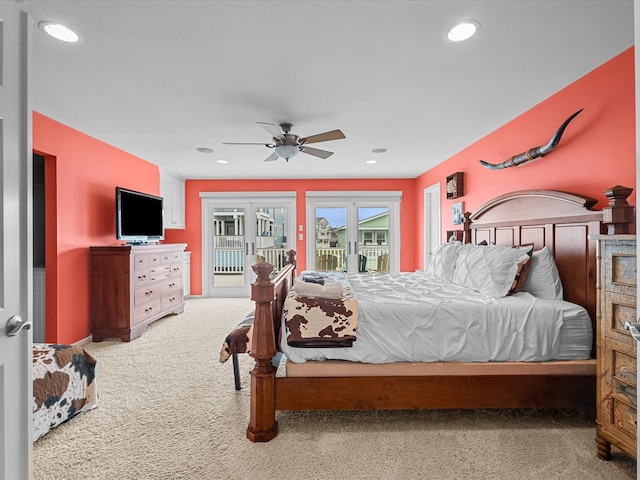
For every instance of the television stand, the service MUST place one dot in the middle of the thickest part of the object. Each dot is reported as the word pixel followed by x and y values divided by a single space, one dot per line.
pixel 132 286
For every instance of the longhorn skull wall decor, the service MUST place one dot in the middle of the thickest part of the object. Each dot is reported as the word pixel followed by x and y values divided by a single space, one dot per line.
pixel 534 152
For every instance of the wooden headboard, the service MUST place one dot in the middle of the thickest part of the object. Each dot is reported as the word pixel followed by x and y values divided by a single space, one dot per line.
pixel 559 220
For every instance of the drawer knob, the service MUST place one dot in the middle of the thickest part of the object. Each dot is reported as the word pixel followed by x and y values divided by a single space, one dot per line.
pixel 634 328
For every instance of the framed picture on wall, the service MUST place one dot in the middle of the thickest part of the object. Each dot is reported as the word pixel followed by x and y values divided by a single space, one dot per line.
pixel 457 211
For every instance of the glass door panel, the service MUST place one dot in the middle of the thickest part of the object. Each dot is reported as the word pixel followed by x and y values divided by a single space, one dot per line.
pixel 331 239
pixel 373 239
pixel 228 247
pixel 272 226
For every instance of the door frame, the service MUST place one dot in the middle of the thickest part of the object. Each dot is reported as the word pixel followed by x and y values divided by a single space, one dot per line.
pixel 210 200
pixel 432 234
pixel 351 201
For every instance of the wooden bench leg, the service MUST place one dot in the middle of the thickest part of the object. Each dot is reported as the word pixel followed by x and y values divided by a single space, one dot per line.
pixel 236 371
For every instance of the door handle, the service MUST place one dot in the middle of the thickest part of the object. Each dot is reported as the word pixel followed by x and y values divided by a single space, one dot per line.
pixel 15 325
pixel 634 328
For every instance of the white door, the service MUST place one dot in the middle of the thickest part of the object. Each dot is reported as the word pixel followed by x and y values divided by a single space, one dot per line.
pixel 15 231
pixel 353 231
pixel 432 230
pixel 240 230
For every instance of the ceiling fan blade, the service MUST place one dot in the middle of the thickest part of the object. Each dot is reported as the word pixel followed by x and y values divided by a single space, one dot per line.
pixel 271 158
pixel 274 130
pixel 243 143
pixel 323 137
pixel 316 152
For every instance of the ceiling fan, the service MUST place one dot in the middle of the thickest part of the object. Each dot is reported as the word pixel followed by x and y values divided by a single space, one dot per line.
pixel 287 145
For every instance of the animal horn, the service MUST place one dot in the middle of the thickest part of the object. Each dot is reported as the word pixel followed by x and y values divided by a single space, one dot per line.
pixel 532 153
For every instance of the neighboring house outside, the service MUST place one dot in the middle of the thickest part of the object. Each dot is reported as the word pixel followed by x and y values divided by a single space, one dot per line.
pixel 373 241
pixel 323 233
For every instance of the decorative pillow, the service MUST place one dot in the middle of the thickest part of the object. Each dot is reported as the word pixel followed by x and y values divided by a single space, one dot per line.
pixel 443 263
pixel 490 270
pixel 543 280
pixel 523 269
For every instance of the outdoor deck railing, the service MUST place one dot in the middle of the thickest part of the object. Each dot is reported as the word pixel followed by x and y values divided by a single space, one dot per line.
pixel 231 260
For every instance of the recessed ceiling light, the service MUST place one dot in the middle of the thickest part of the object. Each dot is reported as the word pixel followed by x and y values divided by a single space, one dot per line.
pixel 379 150
pixel 463 30
pixel 204 150
pixel 222 161
pixel 59 31
pixel 371 161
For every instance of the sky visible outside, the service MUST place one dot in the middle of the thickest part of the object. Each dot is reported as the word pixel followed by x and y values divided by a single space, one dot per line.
pixel 337 216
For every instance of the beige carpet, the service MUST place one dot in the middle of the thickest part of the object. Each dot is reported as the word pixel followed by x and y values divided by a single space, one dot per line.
pixel 168 410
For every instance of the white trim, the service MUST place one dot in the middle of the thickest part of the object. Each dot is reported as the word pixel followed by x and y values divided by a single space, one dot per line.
pixel 431 195
pixel 373 195
pixel 225 195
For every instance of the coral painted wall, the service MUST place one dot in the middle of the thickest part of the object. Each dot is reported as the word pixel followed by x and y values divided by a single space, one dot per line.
pixel 81 174
pixel 192 235
pixel 597 150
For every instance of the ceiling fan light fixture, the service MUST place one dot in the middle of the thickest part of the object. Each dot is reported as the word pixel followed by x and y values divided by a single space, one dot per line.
pixel 287 151
pixel 463 31
pixel 222 161
pixel 371 162
pixel 59 32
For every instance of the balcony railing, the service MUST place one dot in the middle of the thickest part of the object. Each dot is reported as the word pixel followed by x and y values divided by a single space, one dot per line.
pixel 231 260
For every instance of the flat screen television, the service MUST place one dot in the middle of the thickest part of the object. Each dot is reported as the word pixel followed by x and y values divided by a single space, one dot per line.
pixel 139 217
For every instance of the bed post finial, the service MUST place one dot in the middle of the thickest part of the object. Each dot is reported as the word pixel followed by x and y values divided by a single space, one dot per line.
pixel 618 215
pixel 466 227
pixel 262 423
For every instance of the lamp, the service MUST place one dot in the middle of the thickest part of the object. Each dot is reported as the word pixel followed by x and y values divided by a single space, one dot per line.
pixel 287 151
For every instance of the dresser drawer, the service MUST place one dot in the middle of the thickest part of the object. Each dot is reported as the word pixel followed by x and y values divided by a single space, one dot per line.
pixel 176 269
pixel 618 309
pixel 620 268
pixel 170 285
pixel 167 257
pixel 141 277
pixel 140 260
pixel 623 417
pixel 146 294
pixel 155 258
pixel 171 299
pixel 621 363
pixel 176 256
pixel 147 310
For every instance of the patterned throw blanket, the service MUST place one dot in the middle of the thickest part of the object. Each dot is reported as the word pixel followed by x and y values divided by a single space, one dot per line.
pixel 64 384
pixel 320 318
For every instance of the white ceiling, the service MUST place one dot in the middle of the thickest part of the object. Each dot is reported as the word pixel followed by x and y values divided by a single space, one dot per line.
pixel 160 78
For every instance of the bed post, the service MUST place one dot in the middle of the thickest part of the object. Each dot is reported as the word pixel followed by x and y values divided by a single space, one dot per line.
pixel 262 423
pixel 466 228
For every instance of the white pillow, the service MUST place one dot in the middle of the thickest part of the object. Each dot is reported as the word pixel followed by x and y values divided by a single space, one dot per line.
pixel 443 263
pixel 543 280
pixel 490 269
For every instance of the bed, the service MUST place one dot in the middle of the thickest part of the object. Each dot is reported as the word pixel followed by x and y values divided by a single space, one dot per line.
pixel 559 221
pixel 64 385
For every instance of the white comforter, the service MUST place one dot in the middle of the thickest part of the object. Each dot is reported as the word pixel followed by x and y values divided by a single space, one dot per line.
pixel 414 317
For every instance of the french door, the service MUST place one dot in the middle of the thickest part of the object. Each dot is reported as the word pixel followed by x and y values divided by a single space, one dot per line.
pixel 353 231
pixel 240 230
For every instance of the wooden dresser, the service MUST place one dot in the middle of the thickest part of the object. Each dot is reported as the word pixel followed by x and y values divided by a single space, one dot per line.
pixel 131 286
pixel 616 402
